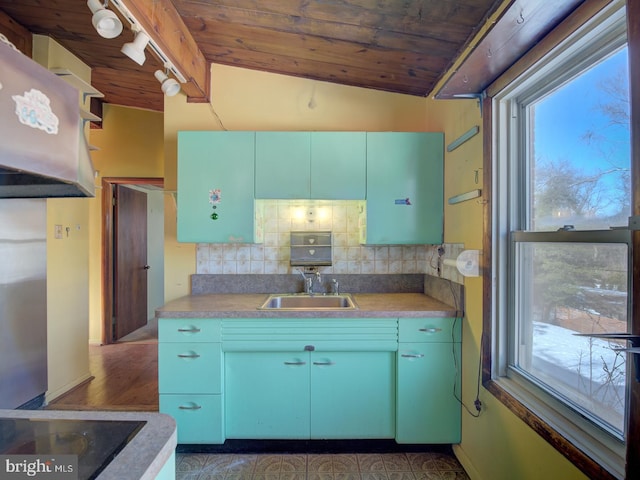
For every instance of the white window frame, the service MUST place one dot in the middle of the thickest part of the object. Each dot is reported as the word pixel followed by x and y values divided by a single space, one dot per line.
pixel 603 34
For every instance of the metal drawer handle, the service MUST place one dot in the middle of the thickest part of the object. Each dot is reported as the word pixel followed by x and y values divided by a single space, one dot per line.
pixel 324 363
pixel 189 330
pixel 412 355
pixel 295 363
pixel 430 330
pixel 188 355
pixel 191 407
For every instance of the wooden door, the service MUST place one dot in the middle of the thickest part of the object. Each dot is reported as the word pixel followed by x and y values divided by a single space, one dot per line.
pixel 130 262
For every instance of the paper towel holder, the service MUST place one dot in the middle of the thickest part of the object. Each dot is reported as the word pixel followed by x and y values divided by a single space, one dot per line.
pixel 467 263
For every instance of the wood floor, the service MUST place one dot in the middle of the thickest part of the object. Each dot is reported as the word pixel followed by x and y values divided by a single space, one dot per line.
pixel 125 377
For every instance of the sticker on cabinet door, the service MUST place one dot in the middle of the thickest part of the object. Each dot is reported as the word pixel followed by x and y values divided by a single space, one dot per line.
pixel 215 197
pixel 403 201
pixel 33 109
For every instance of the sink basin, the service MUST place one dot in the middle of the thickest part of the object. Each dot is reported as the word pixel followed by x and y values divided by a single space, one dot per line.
pixel 308 302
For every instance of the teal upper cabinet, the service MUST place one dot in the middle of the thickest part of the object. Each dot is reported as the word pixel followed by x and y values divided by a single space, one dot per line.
pixel 404 188
pixel 311 165
pixel 216 169
pixel 338 165
pixel 283 168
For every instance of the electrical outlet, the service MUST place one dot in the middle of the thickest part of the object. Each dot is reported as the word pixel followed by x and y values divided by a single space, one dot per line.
pixel 478 404
pixel 57 232
pixel 441 252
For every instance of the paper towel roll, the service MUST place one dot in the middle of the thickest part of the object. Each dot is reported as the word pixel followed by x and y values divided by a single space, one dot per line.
pixel 466 263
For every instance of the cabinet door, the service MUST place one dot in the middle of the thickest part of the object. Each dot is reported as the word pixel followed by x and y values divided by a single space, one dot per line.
pixel 352 395
pixel 267 395
pixel 283 167
pixel 404 188
pixel 427 411
pixel 338 165
pixel 199 417
pixel 210 161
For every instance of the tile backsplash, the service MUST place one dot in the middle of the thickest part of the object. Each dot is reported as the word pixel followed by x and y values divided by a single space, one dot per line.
pixel 275 219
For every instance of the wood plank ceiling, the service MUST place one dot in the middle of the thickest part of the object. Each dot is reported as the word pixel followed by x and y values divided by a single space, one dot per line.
pixel 401 46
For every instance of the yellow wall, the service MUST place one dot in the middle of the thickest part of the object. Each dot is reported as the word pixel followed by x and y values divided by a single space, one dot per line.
pixel 497 445
pixel 67 262
pixel 129 145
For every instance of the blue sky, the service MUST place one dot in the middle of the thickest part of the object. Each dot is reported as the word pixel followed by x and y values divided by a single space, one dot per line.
pixel 566 115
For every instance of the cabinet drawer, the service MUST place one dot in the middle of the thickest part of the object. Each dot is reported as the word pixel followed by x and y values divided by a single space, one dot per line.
pixel 190 367
pixel 189 330
pixel 199 417
pixel 429 330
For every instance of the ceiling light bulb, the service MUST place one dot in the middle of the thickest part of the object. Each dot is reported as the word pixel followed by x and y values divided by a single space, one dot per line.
pixel 135 50
pixel 169 86
pixel 106 22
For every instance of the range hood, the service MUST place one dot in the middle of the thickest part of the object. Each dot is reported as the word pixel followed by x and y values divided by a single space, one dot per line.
pixel 43 151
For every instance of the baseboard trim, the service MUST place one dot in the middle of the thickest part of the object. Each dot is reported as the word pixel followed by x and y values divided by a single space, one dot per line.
pixel 312 446
pixel 54 395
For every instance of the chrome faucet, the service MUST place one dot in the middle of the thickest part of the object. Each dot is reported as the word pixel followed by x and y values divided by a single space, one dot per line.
pixel 308 282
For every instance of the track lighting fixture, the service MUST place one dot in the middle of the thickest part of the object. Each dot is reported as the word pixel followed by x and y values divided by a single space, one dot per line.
pixel 169 86
pixel 135 50
pixel 106 22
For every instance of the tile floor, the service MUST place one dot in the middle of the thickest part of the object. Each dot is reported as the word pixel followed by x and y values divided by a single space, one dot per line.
pixel 343 466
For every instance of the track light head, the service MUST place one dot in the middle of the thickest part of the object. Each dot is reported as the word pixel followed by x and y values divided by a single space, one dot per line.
pixel 135 50
pixel 106 22
pixel 169 86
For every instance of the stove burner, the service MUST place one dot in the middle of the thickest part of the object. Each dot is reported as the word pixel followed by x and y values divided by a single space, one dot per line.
pixel 95 442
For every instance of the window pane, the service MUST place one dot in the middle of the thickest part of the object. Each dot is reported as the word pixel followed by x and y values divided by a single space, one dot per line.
pixel 565 289
pixel 579 150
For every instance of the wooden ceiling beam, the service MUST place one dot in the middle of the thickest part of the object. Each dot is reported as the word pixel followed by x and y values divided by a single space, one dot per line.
pixel 161 21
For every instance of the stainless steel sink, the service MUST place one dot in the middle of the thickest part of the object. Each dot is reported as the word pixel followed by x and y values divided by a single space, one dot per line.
pixel 308 302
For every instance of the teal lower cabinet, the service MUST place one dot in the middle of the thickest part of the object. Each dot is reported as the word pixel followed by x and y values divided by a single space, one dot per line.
pixel 352 395
pixel 311 378
pixel 267 395
pixel 317 395
pixel 428 371
pixel 190 377
pixel 318 378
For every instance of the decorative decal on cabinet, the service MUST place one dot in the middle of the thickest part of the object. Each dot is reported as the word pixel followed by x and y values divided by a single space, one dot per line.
pixel 34 110
pixel 403 201
pixel 214 198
